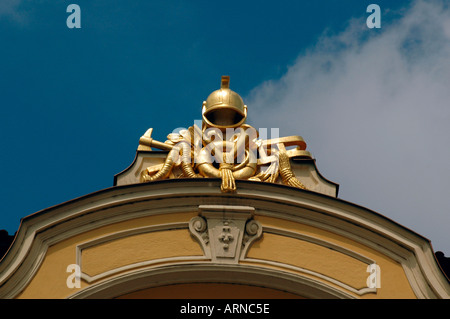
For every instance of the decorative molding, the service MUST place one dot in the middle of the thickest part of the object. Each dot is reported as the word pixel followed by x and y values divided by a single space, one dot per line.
pixel 323 278
pixel 223 217
pixel 320 242
pixel 225 232
pixel 205 272
pixel 199 225
pixel 126 233
pixel 53 225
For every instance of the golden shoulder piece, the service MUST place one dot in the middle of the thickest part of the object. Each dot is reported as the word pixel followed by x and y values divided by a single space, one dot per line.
pixel 224 108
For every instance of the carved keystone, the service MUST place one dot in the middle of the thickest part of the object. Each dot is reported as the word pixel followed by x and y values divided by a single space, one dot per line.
pixel 225 232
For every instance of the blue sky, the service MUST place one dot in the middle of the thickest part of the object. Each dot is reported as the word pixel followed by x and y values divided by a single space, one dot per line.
pixel 74 102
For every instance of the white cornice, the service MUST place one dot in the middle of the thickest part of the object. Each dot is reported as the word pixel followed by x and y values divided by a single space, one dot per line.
pixel 38 231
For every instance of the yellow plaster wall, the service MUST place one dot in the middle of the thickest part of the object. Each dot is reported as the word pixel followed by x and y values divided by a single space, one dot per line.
pixel 50 279
pixel 306 255
pixel 334 264
pixel 138 248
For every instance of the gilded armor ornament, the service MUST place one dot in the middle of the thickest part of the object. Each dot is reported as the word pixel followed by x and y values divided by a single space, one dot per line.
pixel 225 147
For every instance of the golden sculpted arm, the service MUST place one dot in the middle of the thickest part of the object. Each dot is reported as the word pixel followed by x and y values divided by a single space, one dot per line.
pixel 286 173
pixel 182 154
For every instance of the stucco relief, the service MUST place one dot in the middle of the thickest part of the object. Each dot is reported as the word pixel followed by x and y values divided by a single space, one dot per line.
pixel 225 232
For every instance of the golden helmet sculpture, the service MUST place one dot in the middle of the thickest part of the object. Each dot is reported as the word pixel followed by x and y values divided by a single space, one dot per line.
pixel 224 108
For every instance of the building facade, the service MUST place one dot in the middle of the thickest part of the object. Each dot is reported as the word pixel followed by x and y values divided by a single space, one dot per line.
pixel 226 217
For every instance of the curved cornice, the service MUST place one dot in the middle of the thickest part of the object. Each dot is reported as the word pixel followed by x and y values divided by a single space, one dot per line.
pixel 44 228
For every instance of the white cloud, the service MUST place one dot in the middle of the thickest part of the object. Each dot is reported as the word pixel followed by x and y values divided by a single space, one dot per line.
pixel 374 108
